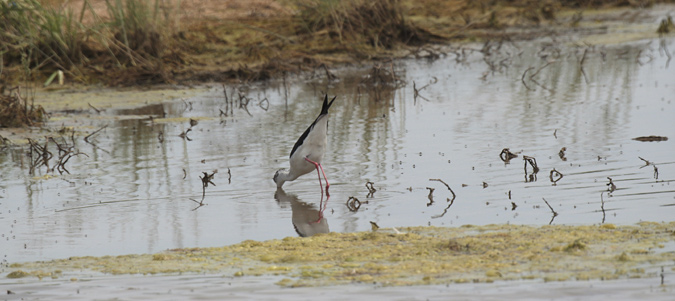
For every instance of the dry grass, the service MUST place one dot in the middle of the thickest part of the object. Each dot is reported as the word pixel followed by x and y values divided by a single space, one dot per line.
pixel 131 42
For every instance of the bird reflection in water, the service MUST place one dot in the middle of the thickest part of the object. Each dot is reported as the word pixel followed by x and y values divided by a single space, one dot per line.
pixel 306 219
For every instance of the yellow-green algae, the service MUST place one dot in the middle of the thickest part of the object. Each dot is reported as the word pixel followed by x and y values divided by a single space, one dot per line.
pixel 418 255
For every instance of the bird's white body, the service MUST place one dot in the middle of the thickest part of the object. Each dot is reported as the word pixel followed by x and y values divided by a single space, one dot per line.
pixel 313 148
pixel 310 148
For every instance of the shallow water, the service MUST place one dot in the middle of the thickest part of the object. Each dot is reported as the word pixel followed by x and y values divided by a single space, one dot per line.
pixel 217 287
pixel 132 191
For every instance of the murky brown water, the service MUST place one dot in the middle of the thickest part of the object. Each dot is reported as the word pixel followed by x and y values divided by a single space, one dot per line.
pixel 132 193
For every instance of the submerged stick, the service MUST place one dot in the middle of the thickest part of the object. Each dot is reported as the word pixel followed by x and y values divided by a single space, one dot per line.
pixel 430 196
pixel 555 176
pixel 549 207
pixel 506 155
pixel 86 139
pixel 522 79
pixel 448 186
pixel 371 189
pixel 353 204
pixel 610 186
pixel 206 180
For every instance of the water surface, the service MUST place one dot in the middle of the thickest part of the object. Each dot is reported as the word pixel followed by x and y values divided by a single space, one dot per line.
pixel 132 191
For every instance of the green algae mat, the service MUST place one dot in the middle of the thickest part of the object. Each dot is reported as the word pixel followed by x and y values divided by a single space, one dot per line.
pixel 408 256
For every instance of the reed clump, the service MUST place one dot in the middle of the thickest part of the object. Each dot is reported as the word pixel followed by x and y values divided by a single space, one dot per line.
pixel 50 38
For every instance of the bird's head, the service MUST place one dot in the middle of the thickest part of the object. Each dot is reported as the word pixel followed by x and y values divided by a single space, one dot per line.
pixel 277 177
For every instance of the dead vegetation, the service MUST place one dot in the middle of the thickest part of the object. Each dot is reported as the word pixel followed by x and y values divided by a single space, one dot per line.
pixel 40 154
pixel 131 42
pixel 206 180
pixel 16 110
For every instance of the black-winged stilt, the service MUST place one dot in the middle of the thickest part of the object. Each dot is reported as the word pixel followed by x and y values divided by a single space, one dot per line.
pixel 308 152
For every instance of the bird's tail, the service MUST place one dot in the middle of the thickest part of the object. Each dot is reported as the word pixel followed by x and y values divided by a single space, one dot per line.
pixel 326 104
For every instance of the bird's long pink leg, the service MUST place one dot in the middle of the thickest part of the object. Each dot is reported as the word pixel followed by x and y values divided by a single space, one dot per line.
pixel 325 179
pixel 317 166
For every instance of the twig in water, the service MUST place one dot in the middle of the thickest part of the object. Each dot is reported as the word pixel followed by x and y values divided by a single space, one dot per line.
pixel 199 204
pixel 188 105
pixel 450 201
pixel 42 155
pixel 506 155
pixel 86 139
pixel 581 65
pixel 647 163
pixel 554 213
pixel 95 109
pixel 184 135
pixel 266 103
pixel 430 196
pixel 448 186
pixel 531 77
pixel 522 79
pixel 541 68
pixel 244 105
pixel 353 204
pixel 417 91
pixel 371 189
pixel 206 180
pixel 555 176
pixel 610 186
pixel 535 169
pixel 664 48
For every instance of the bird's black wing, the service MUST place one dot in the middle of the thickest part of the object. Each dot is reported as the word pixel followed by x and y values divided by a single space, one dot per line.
pixel 324 111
